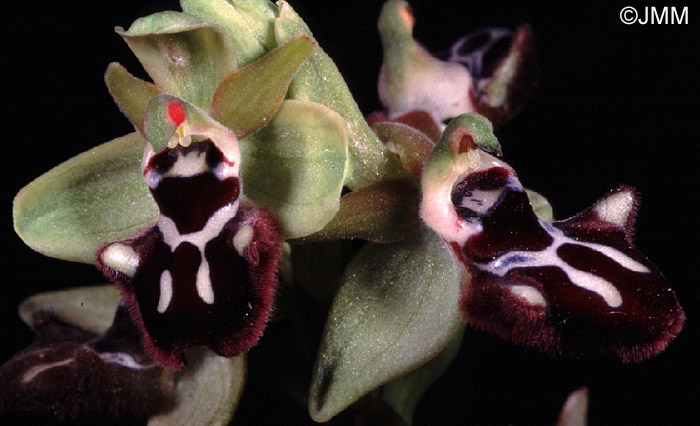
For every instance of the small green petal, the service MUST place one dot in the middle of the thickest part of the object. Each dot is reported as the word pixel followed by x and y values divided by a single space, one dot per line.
pixel 540 205
pixel 248 23
pixel 382 212
pixel 396 309
pixel 95 197
pixel 404 393
pixel 88 308
pixel 183 56
pixel 207 391
pixel 130 93
pixel 412 146
pixel 247 99
pixel 295 166
pixel 319 80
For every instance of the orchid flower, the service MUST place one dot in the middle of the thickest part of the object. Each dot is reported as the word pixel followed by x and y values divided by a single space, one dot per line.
pixel 254 190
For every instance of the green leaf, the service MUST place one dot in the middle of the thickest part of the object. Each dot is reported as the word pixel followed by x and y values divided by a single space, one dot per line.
pixel 89 308
pixel 540 205
pixel 248 99
pixel 93 198
pixel 183 56
pixel 404 393
pixel 319 80
pixel 130 93
pixel 248 23
pixel 381 212
pixel 295 166
pixel 207 391
pixel 397 309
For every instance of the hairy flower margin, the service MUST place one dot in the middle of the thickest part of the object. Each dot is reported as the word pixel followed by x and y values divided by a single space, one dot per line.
pixel 242 93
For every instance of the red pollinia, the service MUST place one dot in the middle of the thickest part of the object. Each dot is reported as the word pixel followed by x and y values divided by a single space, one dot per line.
pixel 205 273
pixel 571 287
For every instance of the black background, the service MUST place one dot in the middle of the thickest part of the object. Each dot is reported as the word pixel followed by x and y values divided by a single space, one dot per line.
pixel 616 104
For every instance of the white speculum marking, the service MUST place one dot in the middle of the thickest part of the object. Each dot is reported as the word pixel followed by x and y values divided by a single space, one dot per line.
pixel 120 358
pixel 199 239
pixel 480 201
pixel 38 369
pixel 548 257
pixel 166 291
pixel 123 359
pixel 188 165
pixel 191 164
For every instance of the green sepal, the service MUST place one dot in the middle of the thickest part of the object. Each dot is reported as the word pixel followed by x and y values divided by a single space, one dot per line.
pixel 248 23
pixel 397 308
pixel 540 205
pixel 296 165
pixel 88 308
pixel 207 391
pixel 248 99
pixel 382 212
pixel 319 80
pixel 404 393
pixel 93 198
pixel 131 94
pixel 183 55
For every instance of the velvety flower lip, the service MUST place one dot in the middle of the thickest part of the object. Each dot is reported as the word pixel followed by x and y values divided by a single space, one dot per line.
pixel 205 273
pixel 72 374
pixel 574 287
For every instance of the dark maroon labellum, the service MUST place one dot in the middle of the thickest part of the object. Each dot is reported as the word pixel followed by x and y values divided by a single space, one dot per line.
pixel 73 376
pixel 572 287
pixel 205 273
